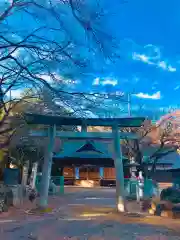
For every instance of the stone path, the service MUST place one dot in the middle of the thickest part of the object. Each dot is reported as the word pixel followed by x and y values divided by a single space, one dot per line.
pixel 86 214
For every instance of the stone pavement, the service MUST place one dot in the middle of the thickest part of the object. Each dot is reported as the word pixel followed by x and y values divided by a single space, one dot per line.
pixel 86 214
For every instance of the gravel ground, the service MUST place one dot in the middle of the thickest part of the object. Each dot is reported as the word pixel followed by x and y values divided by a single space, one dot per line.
pixel 87 214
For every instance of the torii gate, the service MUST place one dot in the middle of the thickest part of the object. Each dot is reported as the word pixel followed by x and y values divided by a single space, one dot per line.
pixel 115 136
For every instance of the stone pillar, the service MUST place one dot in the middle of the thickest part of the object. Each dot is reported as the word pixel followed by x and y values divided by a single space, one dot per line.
pixel 141 185
pixel 17 195
pixel 25 174
pixel 46 172
pixel 34 175
pixel 24 179
pixel 120 193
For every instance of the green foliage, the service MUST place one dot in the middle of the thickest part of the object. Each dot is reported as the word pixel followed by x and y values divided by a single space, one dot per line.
pixel 170 194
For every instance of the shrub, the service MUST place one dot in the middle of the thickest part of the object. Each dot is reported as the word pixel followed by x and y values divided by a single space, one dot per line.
pixel 170 194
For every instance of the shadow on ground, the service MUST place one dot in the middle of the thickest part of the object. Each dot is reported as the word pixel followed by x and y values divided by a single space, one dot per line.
pixel 80 215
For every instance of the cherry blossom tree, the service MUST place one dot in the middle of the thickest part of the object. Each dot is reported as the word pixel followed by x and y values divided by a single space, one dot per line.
pixel 159 137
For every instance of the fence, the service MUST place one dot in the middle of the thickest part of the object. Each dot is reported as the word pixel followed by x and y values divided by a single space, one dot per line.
pixel 136 189
pixel 56 186
pixel 133 188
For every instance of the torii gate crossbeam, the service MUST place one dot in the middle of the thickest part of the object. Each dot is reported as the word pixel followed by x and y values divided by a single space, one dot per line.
pixel 85 135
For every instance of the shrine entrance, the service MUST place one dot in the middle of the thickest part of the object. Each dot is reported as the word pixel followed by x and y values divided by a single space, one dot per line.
pixel 88 160
pixel 115 135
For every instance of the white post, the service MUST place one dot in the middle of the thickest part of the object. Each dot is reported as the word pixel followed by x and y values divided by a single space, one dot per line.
pixel 120 193
pixel 46 172
pixel 34 175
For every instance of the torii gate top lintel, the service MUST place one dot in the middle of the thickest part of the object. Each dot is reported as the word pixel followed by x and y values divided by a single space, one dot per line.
pixel 70 121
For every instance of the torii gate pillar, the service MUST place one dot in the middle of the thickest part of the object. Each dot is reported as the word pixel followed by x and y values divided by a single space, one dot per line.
pixel 118 162
pixel 47 165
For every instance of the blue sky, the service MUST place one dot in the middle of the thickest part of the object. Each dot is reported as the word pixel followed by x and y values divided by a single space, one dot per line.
pixel 150 50
pixel 149 65
pixel 148 34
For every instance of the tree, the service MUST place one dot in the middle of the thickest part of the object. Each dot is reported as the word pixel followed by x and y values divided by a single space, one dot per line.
pixel 49 53
pixel 151 136
pixel 11 120
pixel 24 150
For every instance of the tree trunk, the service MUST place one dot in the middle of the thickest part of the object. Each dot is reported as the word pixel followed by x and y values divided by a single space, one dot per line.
pixel 139 159
pixel 153 169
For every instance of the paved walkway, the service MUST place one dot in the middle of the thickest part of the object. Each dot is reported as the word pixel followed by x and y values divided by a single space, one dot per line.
pixel 86 214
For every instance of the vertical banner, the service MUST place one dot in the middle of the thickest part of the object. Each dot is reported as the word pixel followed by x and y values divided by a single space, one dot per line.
pixel 77 173
pixel 101 172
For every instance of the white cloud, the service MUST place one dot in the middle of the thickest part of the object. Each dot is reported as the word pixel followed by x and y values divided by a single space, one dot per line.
pixel 171 69
pixel 47 77
pixel 96 81
pixel 54 77
pixel 106 81
pixel 162 65
pixel 152 56
pixel 177 87
pixel 165 66
pixel 154 96
pixel 110 82
pixel 141 57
